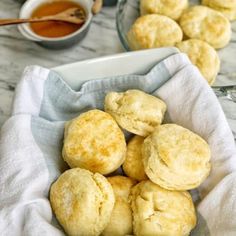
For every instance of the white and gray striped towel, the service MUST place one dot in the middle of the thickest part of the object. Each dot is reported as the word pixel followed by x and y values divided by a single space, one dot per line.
pixel 31 142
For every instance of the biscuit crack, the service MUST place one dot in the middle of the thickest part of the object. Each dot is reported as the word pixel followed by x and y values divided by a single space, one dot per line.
pixel 159 157
pixel 151 123
pixel 103 196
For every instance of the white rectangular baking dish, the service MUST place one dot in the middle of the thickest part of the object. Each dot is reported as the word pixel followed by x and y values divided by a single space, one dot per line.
pixel 138 62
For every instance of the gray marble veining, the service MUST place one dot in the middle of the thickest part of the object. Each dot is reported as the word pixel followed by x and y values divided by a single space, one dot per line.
pixel 16 52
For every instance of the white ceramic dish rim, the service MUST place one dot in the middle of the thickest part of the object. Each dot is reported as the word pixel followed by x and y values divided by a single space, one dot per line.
pixel 75 74
pixel 30 5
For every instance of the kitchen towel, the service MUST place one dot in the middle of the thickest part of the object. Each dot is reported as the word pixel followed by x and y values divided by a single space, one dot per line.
pixel 31 142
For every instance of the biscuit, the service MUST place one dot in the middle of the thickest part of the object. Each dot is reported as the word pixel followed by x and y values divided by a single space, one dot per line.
pixel 95 142
pixel 204 23
pixel 228 13
pixel 135 111
pixel 227 8
pixel 82 202
pixel 121 221
pixel 133 165
pixel 170 8
pixel 176 158
pixel 220 3
pixel 203 56
pixel 153 31
pixel 157 211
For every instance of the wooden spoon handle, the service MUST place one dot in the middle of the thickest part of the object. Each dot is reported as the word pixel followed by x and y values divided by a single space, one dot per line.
pixel 13 21
pixel 97 6
pixel 20 21
pixel 35 20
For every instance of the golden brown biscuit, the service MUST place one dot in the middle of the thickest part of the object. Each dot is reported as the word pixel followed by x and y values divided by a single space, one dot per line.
pixel 227 8
pixel 121 186
pixel 82 202
pixel 170 8
pixel 221 3
pixel 204 23
pixel 153 31
pixel 158 211
pixel 121 218
pixel 135 111
pixel 228 13
pixel 95 142
pixel 133 165
pixel 203 56
pixel 176 158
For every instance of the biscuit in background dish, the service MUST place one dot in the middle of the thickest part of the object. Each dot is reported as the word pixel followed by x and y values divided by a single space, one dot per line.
pixel 176 158
pixel 203 56
pixel 227 8
pixel 157 211
pixel 82 202
pixel 170 8
pixel 121 221
pixel 135 111
pixel 221 3
pixel 154 31
pixel 133 165
pixel 204 23
pixel 95 142
pixel 228 13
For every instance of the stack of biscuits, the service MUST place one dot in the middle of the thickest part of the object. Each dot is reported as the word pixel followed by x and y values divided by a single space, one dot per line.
pixel 161 162
pixel 205 28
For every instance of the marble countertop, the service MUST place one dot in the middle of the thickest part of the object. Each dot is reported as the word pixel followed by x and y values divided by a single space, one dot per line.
pixel 16 52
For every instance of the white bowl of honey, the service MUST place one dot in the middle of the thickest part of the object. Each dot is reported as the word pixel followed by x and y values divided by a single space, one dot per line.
pixel 52 34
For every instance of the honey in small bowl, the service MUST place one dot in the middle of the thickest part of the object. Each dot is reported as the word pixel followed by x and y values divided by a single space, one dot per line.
pixel 54 29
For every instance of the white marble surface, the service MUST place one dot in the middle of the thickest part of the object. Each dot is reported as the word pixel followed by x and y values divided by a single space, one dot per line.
pixel 16 52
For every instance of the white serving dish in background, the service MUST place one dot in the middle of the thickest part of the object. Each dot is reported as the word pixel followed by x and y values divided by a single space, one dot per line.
pixel 137 62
